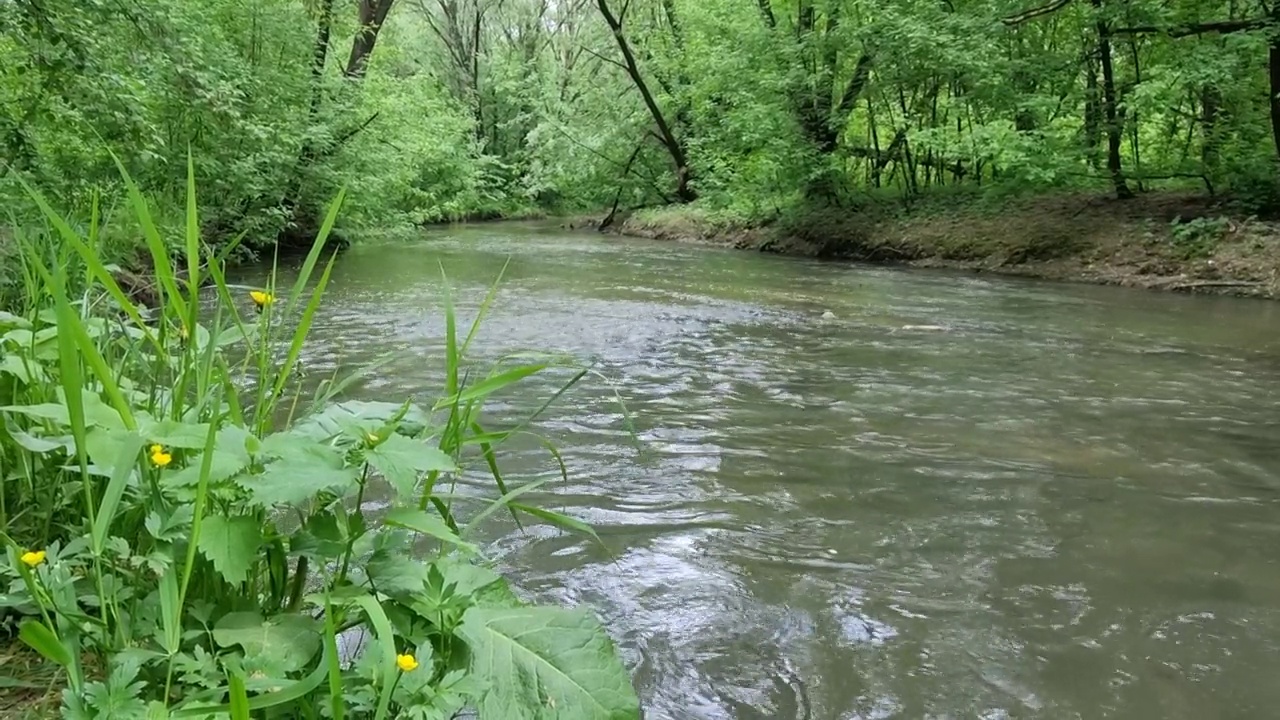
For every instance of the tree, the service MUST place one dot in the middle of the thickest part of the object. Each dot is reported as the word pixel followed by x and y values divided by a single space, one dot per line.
pixel 673 145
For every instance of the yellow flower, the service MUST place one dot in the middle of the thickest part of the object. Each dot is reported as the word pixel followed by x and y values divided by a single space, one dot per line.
pixel 407 663
pixel 33 558
pixel 372 438
pixel 159 457
pixel 260 298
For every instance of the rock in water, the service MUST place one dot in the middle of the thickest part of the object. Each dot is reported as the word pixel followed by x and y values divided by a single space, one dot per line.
pixel 828 315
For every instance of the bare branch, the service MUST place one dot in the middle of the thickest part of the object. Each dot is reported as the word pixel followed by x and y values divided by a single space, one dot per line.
pixel 1034 13
pixel 598 56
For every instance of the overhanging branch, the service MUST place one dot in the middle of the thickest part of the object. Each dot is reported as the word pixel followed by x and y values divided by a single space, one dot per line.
pixel 1223 27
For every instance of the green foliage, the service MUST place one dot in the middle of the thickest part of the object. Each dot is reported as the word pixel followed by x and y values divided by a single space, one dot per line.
pixel 180 546
pixel 479 109
pixel 1198 237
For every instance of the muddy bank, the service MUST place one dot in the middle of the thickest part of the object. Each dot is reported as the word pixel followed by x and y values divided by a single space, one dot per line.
pixel 1178 242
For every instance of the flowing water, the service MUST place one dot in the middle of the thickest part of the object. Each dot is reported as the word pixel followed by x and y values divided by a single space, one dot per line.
pixel 1055 502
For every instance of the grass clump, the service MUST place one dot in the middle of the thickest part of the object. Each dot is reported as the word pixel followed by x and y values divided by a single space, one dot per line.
pixel 185 533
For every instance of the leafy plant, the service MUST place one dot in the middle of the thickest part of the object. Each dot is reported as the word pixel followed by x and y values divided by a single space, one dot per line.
pixel 183 542
pixel 1198 237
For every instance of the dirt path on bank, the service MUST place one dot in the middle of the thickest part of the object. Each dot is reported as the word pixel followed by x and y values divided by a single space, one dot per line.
pixel 1168 241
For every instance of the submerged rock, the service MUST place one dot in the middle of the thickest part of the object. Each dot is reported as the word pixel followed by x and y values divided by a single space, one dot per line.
pixel 828 315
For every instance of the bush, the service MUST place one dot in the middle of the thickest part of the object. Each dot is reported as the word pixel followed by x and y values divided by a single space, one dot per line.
pixel 178 549
pixel 1198 237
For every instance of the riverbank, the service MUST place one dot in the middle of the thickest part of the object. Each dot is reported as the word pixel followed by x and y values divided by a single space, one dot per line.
pixel 1169 241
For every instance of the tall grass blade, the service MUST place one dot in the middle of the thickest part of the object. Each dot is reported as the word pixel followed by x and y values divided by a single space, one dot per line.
pixel 492 384
pixel 90 256
pixel 313 256
pixel 502 502
pixel 201 502
pixel 170 614
pixel 485 305
pixel 304 327
pixel 73 339
pixel 162 263
pixel 451 357
pixel 193 236
pixel 559 520
pixel 387 642
pixel 337 704
pixel 124 464
pixel 239 698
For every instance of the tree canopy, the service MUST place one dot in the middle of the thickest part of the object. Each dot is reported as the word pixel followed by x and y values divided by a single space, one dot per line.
pixel 443 109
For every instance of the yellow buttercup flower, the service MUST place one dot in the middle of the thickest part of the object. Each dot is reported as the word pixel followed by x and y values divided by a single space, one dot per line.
pixel 407 663
pixel 159 457
pixel 33 558
pixel 260 298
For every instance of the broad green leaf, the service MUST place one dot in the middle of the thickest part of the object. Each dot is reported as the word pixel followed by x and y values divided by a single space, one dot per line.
pixel 44 411
pixel 394 574
pixel 320 537
pixel 485 587
pixel 335 419
pixel 289 484
pixel 40 638
pixel 173 433
pixel 231 544
pixel 283 696
pixel 9 320
pixel 290 640
pixel 97 413
pixel 28 371
pixel 39 445
pixel 401 461
pixel 103 447
pixel 426 523
pixel 544 663
pixel 226 462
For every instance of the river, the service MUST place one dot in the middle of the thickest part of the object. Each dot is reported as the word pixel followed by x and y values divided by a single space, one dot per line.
pixel 1058 502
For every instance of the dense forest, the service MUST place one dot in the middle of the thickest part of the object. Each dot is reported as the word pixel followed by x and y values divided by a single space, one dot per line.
pixel 428 110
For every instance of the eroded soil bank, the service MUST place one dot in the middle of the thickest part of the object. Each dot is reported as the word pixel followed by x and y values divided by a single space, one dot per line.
pixel 1169 241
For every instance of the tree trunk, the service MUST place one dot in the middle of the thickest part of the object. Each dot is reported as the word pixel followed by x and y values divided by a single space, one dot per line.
pixel 683 191
pixel 304 222
pixel 1273 73
pixel 1210 142
pixel 372 14
pixel 1092 115
pixel 1134 119
pixel 319 55
pixel 820 112
pixel 1115 133
pixel 299 227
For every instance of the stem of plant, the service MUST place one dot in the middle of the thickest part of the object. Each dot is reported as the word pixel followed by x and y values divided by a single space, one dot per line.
pixel 351 541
